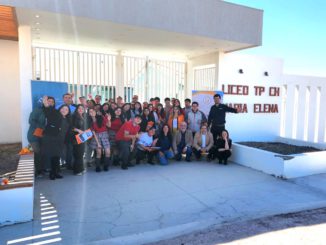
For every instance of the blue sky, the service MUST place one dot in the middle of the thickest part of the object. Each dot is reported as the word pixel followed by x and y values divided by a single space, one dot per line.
pixel 294 30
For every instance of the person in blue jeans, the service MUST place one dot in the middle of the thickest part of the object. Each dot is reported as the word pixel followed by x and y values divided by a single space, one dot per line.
pixel 182 142
pixel 165 143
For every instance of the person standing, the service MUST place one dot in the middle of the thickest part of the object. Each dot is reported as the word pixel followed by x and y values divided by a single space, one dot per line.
pixel 216 116
pixel 195 118
pixel 79 125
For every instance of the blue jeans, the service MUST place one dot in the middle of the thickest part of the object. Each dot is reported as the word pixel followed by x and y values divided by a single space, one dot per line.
pixel 178 156
pixel 168 154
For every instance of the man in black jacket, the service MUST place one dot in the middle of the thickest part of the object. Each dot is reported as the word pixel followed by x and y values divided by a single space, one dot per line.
pixel 216 116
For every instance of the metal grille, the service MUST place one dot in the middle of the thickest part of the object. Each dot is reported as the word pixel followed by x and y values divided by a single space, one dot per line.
pixel 204 78
pixel 153 78
pixel 86 73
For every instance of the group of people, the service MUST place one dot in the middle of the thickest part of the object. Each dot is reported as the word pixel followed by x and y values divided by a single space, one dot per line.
pixel 121 132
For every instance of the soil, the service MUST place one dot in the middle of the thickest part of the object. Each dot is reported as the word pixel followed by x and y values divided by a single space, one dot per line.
pixel 9 157
pixel 245 232
pixel 280 148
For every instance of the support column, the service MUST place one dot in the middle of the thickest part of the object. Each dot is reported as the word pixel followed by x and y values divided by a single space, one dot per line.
pixel 25 75
pixel 119 72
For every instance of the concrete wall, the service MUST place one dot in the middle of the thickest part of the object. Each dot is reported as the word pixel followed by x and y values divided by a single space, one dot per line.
pixel 304 115
pixel 251 126
pixel 10 130
pixel 209 18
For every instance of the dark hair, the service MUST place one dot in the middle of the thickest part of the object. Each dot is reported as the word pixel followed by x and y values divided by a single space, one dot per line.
pixel 52 98
pixel 139 116
pixel 140 107
pixel 151 99
pixel 167 99
pixel 157 98
pixel 66 94
pixel 69 112
pixel 188 100
pixel 195 103
pixel 102 108
pixel 217 95
pixel 76 110
pixel 169 135
pixel 226 132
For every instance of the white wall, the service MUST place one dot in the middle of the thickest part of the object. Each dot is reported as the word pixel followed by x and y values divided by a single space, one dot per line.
pixel 251 126
pixel 10 129
pixel 306 119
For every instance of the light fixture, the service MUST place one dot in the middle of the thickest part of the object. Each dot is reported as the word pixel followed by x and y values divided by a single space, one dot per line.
pixel 240 71
pixel 37 16
pixel 266 73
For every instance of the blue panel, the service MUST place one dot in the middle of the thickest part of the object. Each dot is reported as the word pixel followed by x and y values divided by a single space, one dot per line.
pixel 54 89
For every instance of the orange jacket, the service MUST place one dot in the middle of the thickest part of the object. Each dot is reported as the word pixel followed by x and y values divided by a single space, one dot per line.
pixel 181 118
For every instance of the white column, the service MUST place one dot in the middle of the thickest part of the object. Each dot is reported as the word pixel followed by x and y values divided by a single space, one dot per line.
pixel 119 72
pixel 25 71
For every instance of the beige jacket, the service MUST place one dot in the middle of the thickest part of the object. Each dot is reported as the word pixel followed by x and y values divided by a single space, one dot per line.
pixel 177 139
pixel 198 141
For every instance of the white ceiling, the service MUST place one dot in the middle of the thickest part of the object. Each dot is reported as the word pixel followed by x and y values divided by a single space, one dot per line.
pixel 63 31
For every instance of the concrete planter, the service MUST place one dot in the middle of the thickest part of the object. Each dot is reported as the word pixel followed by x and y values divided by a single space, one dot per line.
pixel 18 196
pixel 283 166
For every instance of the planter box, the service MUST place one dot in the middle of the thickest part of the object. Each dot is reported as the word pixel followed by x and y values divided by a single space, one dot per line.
pixel 283 166
pixel 18 196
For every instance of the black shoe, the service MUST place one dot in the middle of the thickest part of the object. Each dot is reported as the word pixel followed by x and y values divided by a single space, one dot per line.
pixel 188 160
pixel 124 167
pixel 58 176
pixel 225 162
pixel 98 169
pixel 52 177
pixel 208 159
pixel 106 168
pixel 151 163
pixel 130 165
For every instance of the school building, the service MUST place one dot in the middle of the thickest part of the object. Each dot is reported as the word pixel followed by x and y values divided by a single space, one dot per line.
pixel 153 48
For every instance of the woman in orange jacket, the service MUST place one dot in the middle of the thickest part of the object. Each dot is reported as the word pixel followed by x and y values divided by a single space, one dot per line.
pixel 175 119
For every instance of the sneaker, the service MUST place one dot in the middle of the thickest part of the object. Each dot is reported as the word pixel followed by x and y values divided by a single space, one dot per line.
pixel 58 176
pixel 80 174
pixel 124 167
pixel 98 169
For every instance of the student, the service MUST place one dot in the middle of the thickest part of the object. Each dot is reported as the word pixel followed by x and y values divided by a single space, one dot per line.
pixel 100 141
pixel 79 125
pixel 116 123
pixel 67 150
pixel 105 109
pixel 119 101
pixel 187 106
pixel 126 137
pixel 112 108
pixel 126 111
pixel 175 119
pixel 167 108
pixel 52 140
pixel 195 118
pixel 144 146
pixel 223 145
pixel 182 142
pixel 203 142
pixel 145 119
pixel 165 143
pixel 137 110
pixel 34 136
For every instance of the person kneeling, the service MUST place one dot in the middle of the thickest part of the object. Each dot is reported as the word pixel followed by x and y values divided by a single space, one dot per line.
pixel 203 143
pixel 145 146
pixel 223 145
pixel 182 142
pixel 165 143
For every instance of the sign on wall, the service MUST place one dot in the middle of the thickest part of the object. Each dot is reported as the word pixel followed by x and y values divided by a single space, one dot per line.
pixel 41 88
pixel 205 99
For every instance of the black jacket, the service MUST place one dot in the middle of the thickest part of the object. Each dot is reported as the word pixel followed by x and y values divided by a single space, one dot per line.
pixel 216 116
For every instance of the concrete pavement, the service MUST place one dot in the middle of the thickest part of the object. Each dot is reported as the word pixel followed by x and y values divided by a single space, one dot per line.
pixel 149 203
